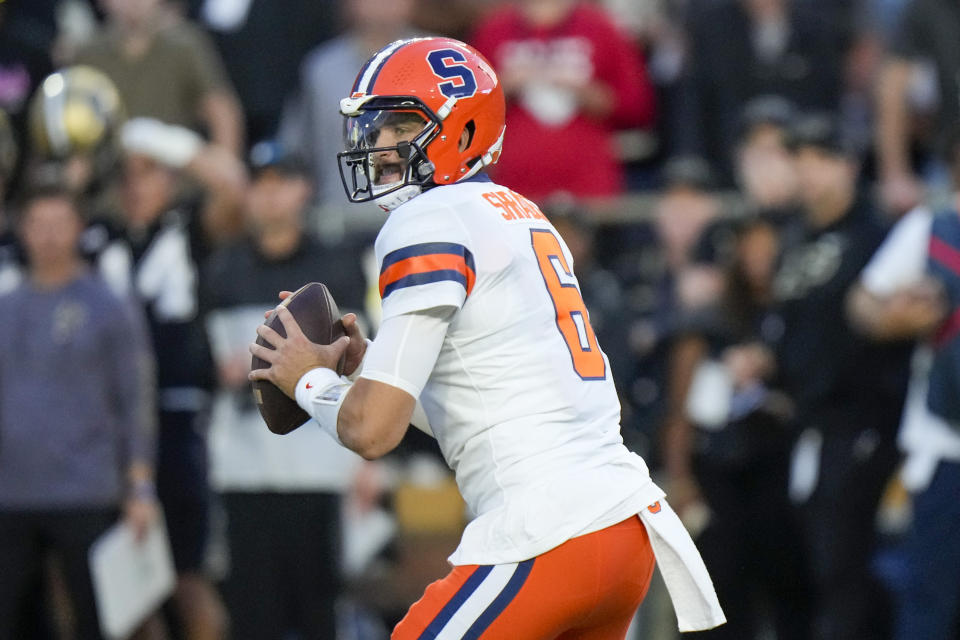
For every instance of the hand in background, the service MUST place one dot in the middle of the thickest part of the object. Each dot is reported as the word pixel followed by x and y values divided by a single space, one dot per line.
pixel 900 192
pixel 139 513
pixel 749 364
pixel 918 309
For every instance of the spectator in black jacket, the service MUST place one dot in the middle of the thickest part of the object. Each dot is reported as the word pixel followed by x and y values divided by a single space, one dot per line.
pixel 739 437
pixel 848 391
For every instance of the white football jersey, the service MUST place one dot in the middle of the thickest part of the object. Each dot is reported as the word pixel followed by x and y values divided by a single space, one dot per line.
pixel 521 398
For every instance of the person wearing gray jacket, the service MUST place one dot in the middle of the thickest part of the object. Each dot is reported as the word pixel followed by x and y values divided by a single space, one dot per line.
pixel 76 414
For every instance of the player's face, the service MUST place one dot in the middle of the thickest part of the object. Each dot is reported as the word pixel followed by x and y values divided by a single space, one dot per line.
pixel 388 166
pixel 385 130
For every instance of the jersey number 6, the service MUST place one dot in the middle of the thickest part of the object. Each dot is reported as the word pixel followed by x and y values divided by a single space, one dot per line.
pixel 572 318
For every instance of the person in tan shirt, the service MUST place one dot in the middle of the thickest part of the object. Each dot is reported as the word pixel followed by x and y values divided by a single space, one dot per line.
pixel 165 68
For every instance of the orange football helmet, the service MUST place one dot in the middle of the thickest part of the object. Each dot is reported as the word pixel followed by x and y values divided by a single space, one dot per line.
pixel 441 88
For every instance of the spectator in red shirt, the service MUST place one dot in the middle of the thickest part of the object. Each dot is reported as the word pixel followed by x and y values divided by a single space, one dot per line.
pixel 571 78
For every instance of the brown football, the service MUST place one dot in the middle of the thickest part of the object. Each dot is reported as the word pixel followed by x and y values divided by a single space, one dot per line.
pixel 315 311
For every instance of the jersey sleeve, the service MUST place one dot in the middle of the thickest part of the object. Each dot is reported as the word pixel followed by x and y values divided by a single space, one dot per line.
pixel 425 262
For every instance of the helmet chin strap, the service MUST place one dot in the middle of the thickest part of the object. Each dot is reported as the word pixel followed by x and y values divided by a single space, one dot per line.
pixel 390 201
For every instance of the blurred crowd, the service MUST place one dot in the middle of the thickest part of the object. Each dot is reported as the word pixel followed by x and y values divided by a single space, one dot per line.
pixel 759 198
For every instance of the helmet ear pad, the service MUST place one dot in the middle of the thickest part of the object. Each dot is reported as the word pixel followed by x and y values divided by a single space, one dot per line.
pixel 466 138
pixel 483 126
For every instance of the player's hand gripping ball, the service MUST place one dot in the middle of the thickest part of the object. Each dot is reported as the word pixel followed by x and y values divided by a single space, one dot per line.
pixel 318 318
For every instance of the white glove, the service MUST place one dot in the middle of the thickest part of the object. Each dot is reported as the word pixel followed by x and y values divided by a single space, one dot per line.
pixel 169 144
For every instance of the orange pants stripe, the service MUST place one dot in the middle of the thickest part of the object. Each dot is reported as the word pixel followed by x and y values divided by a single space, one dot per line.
pixel 586 589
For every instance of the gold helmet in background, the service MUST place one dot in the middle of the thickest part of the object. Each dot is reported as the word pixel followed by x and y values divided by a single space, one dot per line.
pixel 75 110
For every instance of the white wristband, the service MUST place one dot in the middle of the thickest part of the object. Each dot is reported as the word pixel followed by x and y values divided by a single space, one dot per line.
pixel 320 392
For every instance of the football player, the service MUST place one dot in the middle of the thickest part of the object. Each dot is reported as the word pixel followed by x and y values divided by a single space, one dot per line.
pixel 485 343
